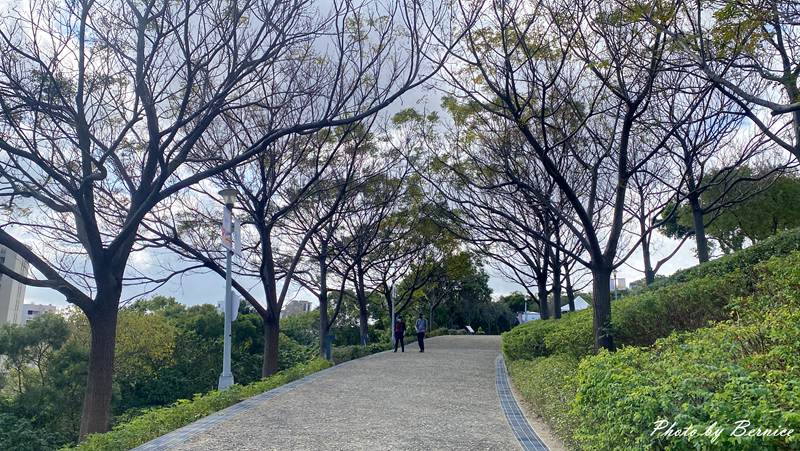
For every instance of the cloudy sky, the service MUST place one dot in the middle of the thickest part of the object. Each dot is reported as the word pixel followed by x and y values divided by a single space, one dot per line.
pixel 202 288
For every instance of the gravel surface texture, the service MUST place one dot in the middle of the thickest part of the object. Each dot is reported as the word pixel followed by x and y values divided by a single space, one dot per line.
pixel 442 399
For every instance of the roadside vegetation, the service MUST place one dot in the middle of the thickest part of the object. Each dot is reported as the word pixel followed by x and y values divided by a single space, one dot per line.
pixel 717 343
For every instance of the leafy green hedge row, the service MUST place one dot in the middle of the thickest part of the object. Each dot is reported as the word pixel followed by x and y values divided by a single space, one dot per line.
pixel 637 320
pixel 162 420
pixel 685 301
pixel 742 369
pixel 545 383
pixel 781 244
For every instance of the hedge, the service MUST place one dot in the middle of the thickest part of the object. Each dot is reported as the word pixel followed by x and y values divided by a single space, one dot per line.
pixel 689 299
pixel 636 320
pixel 747 368
pixel 546 383
pixel 162 420
pixel 780 244
pixel 744 368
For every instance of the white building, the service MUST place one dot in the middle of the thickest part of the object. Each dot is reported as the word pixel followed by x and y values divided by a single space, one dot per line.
pixel 32 311
pixel 295 307
pixel 12 293
pixel 580 304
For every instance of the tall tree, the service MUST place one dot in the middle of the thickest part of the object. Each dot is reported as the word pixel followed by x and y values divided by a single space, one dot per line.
pixel 521 64
pixel 103 103
pixel 750 50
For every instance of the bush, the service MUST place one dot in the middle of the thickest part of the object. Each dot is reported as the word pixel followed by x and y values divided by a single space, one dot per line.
pixel 722 374
pixel 637 319
pixel 162 420
pixel 526 341
pixel 342 354
pixel 781 244
pixel 640 320
pixel 742 369
pixel 547 384
pixel 20 435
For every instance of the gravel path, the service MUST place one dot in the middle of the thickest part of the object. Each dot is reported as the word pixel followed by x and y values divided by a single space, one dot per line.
pixel 444 398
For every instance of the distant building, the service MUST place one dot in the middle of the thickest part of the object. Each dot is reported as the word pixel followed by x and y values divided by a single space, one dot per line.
pixel 295 307
pixel 32 311
pixel 580 304
pixel 12 293
pixel 524 317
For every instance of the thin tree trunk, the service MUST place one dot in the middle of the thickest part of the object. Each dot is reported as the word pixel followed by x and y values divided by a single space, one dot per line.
pixel 324 350
pixel 556 285
pixel 570 291
pixel 544 311
pixel 272 330
pixel 649 274
pixel 363 314
pixel 601 304
pixel 699 229
pixel 97 399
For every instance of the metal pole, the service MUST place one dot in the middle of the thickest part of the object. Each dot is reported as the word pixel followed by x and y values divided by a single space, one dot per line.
pixel 226 378
pixel 615 284
pixel 391 296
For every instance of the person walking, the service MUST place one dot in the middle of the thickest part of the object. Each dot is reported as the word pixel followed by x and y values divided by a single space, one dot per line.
pixel 399 332
pixel 421 326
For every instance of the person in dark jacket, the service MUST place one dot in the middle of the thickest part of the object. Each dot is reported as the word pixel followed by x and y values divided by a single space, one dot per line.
pixel 399 332
pixel 422 327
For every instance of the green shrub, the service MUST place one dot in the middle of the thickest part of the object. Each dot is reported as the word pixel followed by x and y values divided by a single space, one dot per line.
pixel 19 434
pixel 640 320
pixel 546 383
pixel 694 379
pixel 637 319
pixel 342 354
pixel 162 420
pixel 526 341
pixel 781 244
pixel 573 334
pixel 747 369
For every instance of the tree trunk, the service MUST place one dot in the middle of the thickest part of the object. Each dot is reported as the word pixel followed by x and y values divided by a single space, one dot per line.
pixel 97 399
pixel 544 311
pixel 570 291
pixel 272 330
pixel 649 274
pixel 324 351
pixel 392 313
pixel 601 305
pixel 699 229
pixel 363 314
pixel 556 285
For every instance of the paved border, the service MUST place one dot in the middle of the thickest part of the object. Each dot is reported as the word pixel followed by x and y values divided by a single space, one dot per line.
pixel 525 434
pixel 202 425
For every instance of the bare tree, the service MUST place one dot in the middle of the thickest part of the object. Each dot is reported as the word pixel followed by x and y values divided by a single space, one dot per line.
pixel 706 155
pixel 103 103
pixel 522 64
pixel 750 50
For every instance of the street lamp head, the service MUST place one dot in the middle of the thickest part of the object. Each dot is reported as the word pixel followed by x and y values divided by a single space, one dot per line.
pixel 229 195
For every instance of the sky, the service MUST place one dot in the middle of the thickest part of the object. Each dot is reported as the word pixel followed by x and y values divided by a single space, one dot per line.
pixel 201 288
pixel 210 288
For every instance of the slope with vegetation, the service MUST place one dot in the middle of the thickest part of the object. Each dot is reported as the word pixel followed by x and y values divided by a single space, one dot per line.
pixel 708 347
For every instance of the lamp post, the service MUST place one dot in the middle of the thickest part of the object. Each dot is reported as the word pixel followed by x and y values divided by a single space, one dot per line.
pixel 228 197
pixel 615 284
pixel 393 294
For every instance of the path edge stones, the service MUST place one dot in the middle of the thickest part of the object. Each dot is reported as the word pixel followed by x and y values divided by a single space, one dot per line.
pixel 526 436
pixel 185 433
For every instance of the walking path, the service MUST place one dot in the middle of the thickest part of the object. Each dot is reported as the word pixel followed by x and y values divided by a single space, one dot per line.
pixel 447 398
